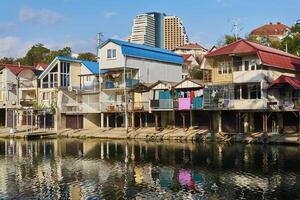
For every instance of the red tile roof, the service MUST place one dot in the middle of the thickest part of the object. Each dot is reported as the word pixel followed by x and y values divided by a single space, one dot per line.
pixel 16 69
pixel 268 56
pixel 186 56
pixel 191 46
pixel 284 80
pixel 43 65
pixel 270 29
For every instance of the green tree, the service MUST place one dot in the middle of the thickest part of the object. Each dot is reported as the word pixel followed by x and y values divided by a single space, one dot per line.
pixel 87 56
pixel 197 73
pixel 67 51
pixel 37 53
pixel 6 60
pixel 291 44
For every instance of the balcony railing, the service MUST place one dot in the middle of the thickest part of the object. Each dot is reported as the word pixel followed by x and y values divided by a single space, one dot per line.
pixel 163 104
pixel 247 104
pixel 27 102
pixel 80 108
pixel 90 87
pixel 110 84
pixel 27 84
pixel 252 76
pixel 141 105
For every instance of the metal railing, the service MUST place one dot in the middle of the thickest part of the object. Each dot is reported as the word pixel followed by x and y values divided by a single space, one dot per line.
pixel 113 84
pixel 80 108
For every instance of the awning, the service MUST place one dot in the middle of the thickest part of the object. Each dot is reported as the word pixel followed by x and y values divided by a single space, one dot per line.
pixel 286 80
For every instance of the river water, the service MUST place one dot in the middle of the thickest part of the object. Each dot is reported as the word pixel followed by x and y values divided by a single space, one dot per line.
pixel 95 169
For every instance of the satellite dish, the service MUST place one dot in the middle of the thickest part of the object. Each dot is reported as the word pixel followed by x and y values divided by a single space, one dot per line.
pixel 70 88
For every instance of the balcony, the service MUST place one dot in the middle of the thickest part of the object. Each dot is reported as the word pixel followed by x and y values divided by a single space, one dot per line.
pixel 113 107
pixel 141 106
pixel 162 104
pixel 252 76
pixel 247 104
pixel 111 84
pixel 27 102
pixel 80 108
pixel 286 104
pixel 27 85
pixel 93 87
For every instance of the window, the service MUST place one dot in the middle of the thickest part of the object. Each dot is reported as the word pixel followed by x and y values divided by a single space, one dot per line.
pixel 250 65
pixel 111 53
pixel 224 67
pixel 246 64
pixel 88 78
pixel 64 74
pixel 46 96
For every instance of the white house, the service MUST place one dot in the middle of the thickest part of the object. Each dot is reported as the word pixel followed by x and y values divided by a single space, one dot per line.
pixel 128 64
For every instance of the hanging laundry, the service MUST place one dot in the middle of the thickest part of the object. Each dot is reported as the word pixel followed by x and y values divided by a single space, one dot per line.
pixel 192 95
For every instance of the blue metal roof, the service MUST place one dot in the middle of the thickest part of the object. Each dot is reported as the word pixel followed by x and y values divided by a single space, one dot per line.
pixel 147 52
pixel 90 65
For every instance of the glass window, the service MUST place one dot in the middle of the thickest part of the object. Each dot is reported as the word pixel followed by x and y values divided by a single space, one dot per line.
pixel 246 65
pixel 111 53
pixel 64 74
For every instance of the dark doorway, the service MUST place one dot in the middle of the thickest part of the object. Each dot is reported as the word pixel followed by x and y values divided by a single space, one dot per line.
pixel 74 121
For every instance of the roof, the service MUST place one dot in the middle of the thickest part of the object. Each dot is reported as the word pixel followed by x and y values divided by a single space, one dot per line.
pixel 286 80
pixel 141 87
pixel 191 46
pixel 16 69
pixel 270 29
pixel 196 81
pixel 43 65
pixel 93 67
pixel 186 56
pixel 146 52
pixel 268 56
pixel 166 83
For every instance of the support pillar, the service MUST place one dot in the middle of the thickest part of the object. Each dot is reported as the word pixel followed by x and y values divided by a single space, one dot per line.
pixel 146 120
pixel 183 120
pixel 116 120
pixel 107 121
pixel 132 120
pixel 265 125
pixel 156 120
pixel 219 122
pixel 141 121
pixel 191 118
pixel 173 116
pixel 102 120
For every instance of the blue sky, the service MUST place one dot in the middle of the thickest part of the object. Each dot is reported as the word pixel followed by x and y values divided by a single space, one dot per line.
pixel 59 23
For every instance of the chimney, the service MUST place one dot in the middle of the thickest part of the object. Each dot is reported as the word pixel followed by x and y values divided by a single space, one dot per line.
pixel 278 22
pixel 270 23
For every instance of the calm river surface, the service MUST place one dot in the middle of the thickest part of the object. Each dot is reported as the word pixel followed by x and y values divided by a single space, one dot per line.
pixel 95 169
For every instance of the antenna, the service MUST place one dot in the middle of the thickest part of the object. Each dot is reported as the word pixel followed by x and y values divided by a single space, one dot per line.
pixel 99 38
pixel 236 27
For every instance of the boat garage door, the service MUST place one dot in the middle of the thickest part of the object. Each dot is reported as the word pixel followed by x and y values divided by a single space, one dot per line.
pixel 74 121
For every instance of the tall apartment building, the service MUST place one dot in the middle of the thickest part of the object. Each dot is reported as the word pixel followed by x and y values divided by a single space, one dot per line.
pixel 158 30
pixel 174 33
pixel 143 30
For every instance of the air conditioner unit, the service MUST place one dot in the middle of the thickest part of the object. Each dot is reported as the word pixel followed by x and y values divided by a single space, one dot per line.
pixel 13 102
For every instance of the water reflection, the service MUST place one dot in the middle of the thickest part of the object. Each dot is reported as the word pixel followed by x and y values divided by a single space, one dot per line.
pixel 83 169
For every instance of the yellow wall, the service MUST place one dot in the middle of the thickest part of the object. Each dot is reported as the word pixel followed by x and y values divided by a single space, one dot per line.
pixel 75 69
pixel 220 78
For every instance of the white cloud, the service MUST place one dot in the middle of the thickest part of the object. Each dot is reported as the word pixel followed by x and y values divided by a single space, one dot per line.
pixel 13 47
pixel 43 16
pixel 109 14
